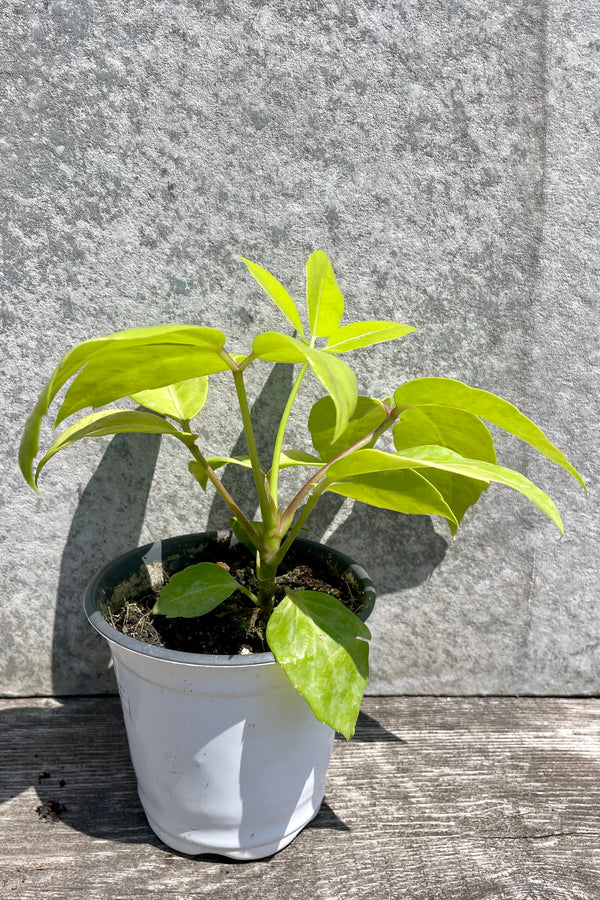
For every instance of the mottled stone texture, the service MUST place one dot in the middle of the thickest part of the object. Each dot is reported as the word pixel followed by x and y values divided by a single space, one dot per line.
pixel 445 155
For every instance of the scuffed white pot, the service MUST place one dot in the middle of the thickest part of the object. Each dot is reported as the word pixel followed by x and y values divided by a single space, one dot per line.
pixel 229 758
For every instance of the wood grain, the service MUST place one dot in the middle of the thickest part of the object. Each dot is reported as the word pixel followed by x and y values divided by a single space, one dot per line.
pixel 435 798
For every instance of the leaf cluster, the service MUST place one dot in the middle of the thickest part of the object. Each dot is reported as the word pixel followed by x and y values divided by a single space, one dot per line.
pixel 443 458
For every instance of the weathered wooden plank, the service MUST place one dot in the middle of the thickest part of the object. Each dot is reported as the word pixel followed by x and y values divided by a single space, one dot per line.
pixel 435 798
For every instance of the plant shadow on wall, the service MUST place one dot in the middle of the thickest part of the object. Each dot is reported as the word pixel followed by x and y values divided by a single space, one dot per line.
pixel 107 522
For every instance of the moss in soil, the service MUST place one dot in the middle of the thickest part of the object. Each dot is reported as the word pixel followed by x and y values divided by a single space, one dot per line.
pixel 236 626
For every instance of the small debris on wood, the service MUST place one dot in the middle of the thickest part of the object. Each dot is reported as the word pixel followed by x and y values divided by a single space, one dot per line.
pixel 43 776
pixel 51 810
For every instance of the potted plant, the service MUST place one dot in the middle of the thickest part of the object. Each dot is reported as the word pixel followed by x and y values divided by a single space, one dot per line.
pixel 231 746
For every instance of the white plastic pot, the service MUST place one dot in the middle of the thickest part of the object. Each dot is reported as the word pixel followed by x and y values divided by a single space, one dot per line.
pixel 229 758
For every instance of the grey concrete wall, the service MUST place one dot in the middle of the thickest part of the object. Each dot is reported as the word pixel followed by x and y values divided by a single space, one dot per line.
pixel 445 155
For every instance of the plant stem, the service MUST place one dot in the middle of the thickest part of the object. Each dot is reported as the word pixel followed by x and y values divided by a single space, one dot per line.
pixel 274 477
pixel 259 478
pixel 222 490
pixel 295 530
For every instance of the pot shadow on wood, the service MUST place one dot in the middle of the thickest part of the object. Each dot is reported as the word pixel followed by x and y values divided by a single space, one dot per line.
pixel 108 521
pixel 80 760
pixel 370 731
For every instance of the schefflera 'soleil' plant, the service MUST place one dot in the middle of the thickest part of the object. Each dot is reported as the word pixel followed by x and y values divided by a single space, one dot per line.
pixel 444 458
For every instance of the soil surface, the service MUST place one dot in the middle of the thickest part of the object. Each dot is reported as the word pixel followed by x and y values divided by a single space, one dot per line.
pixel 236 626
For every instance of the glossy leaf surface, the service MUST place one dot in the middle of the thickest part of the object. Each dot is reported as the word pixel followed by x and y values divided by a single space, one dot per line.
pixel 401 490
pixel 323 296
pixel 322 648
pixel 277 293
pixel 109 422
pixel 79 356
pixel 337 378
pixel 435 457
pixel 276 347
pixel 195 591
pixel 364 334
pixel 115 372
pixel 182 400
pixel 455 394
pixel 459 431
pixel 368 415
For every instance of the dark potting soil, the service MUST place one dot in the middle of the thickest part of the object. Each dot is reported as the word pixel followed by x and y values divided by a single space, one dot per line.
pixel 236 626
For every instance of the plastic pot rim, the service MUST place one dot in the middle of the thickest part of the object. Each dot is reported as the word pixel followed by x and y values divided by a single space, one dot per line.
pixel 97 620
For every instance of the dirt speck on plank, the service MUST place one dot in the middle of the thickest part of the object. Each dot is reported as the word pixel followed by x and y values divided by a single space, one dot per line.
pixel 51 810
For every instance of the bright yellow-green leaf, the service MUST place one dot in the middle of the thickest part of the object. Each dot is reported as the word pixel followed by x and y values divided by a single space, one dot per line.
pixel 367 416
pixel 277 293
pixel 455 394
pixel 340 383
pixel 76 358
pixel 323 296
pixel 108 422
pixel 435 457
pixel 337 378
pixel 322 648
pixel 402 490
pixel 122 371
pixel 363 334
pixel 182 400
pixel 276 347
pixel 459 431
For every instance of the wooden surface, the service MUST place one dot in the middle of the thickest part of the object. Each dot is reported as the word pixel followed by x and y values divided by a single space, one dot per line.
pixel 435 799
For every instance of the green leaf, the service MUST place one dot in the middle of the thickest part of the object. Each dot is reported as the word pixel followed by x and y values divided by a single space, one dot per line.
pixel 276 347
pixel 363 334
pixel 277 293
pixel 366 461
pixel 289 458
pixel 404 490
pixel 108 422
pixel 195 591
pixel 322 648
pixel 182 400
pixel 323 296
pixel 123 371
pixel 459 431
pixel 455 394
pixel 242 535
pixel 74 360
pixel 337 378
pixel 216 462
pixel 367 416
